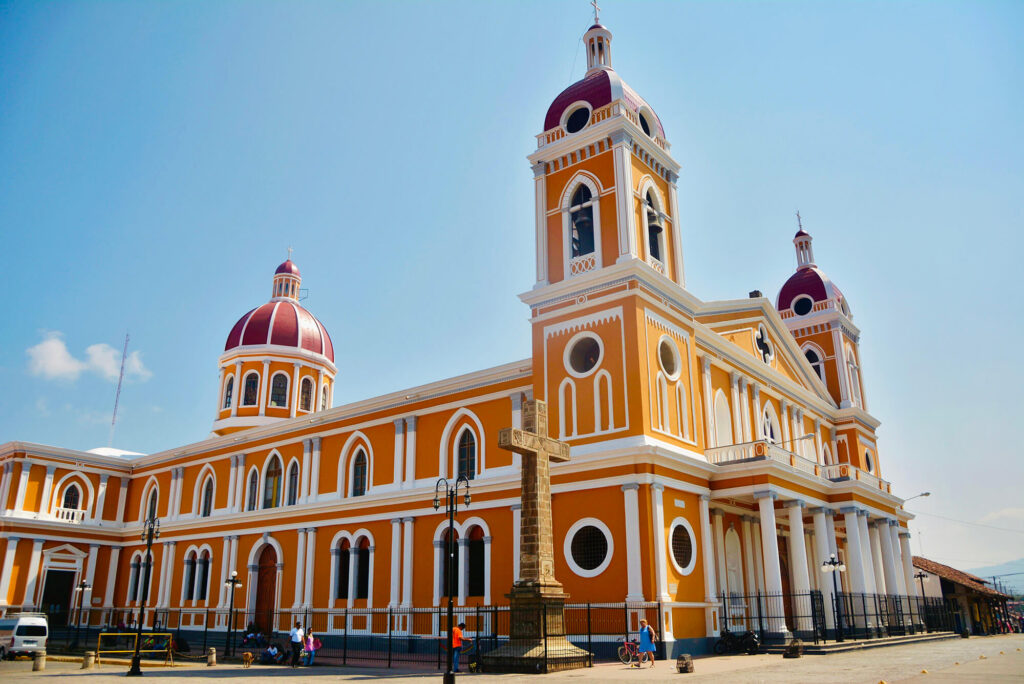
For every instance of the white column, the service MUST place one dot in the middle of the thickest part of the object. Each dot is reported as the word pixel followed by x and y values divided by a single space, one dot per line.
pixel 314 474
pixel 706 552
pixel 855 557
pixel 353 570
pixel 634 583
pixel 622 153
pixel 101 498
pixel 5 486
pixel 908 563
pixel 540 222
pixel 300 575
pixel 894 543
pixel 172 496
pixel 812 570
pixel 758 555
pixel 307 594
pixel 399 450
pixel 865 549
pixel 817 441
pixel 225 559
pixel 233 567
pixel 407 562
pixel 167 574
pixel 517 520
pixel 787 440
pixel 463 568
pixel 822 554
pixel 745 409
pixel 108 597
pixel 438 569
pixel 410 451
pixel 293 405
pixel 798 559
pixel 369 586
pixel 876 559
pixel 770 553
pixel 396 553
pixel 840 359
pixel 8 566
pixel 748 555
pixel 33 572
pixel 44 503
pixel 487 570
pixel 723 582
pixel 240 485
pixel 660 534
pixel 304 478
pixel 889 569
pixel 264 388
pixel 758 423
pixel 709 413
pixel 734 396
pixel 122 497
pixel 19 498
pixel 90 565
pixel 318 400
pixel 677 229
pixel 237 392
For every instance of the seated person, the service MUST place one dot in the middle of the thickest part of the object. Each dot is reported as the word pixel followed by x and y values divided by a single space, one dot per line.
pixel 270 656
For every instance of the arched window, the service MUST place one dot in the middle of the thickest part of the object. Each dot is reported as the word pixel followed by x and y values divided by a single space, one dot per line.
pixel 190 576
pixel 854 372
pixel 581 220
pixel 202 576
pixel 723 420
pixel 344 560
pixel 359 474
pixel 293 484
pixel 250 394
pixel 279 390
pixel 72 497
pixel 323 400
pixel 812 358
pixel 449 565
pixel 306 395
pixel 154 497
pixel 254 488
pixel 272 484
pixel 207 506
pixel 654 229
pixel 363 569
pixel 770 425
pixel 467 455
pixel 475 552
pixel 229 389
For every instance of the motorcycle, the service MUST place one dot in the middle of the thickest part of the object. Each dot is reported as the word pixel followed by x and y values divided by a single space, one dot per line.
pixel 735 642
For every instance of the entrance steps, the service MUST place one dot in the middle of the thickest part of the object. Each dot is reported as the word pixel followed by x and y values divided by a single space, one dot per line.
pixel 858 644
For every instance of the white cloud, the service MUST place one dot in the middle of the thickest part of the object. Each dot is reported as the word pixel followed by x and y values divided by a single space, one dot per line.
pixel 51 359
pixel 1003 514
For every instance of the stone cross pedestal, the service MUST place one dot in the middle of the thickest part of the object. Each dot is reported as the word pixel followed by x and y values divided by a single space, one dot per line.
pixel 537 641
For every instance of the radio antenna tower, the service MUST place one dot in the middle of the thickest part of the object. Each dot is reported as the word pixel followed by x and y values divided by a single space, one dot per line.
pixel 117 395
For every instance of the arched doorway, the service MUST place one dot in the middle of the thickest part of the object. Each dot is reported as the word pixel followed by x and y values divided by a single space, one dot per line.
pixel 266 589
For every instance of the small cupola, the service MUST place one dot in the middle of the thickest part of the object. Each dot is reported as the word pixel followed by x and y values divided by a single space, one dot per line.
pixel 802 242
pixel 598 40
pixel 287 281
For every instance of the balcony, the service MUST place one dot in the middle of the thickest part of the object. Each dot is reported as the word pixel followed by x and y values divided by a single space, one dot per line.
pixel 750 452
pixel 75 516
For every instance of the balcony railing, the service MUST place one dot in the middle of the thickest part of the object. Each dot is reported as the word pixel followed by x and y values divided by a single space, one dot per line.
pixel 75 516
pixel 764 451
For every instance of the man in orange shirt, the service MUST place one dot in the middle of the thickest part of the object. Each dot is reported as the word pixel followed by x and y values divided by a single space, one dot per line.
pixel 457 640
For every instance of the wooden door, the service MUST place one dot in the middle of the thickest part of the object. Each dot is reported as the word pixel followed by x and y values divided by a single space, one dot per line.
pixel 266 589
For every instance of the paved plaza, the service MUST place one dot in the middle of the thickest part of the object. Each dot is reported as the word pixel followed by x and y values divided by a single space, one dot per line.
pixel 979 659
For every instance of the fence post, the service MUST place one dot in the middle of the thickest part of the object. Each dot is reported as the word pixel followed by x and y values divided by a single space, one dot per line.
pixel 590 635
pixel 344 641
pixel 206 628
pixel 661 630
pixel 544 614
pixel 760 617
pixel 389 636
pixel 625 625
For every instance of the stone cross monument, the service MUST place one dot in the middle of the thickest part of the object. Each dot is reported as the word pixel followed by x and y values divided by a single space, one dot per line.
pixel 537 622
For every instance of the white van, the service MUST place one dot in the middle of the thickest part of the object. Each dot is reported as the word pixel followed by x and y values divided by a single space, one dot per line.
pixel 22 634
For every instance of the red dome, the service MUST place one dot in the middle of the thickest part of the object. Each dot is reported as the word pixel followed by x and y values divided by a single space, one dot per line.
pixel 288 267
pixel 601 87
pixel 282 323
pixel 807 281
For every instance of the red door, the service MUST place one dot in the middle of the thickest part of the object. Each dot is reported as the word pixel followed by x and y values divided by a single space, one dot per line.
pixel 266 589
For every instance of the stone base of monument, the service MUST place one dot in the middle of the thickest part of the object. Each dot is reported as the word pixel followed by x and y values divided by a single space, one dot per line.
pixel 537 638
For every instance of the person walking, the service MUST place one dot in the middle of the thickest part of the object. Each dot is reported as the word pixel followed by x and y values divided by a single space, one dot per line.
pixel 297 636
pixel 647 638
pixel 312 646
pixel 457 639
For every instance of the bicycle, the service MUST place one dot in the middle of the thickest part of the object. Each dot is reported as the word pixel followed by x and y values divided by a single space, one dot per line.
pixel 629 651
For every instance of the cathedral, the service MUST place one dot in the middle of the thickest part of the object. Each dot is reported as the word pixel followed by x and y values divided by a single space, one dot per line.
pixel 717 448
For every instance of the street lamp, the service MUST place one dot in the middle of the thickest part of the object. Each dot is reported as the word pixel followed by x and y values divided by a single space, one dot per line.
pixel 80 590
pixel 233 582
pixel 150 531
pixel 835 566
pixel 451 493
pixel 917 495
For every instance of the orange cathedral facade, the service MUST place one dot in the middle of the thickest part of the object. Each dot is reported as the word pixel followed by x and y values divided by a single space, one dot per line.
pixel 716 446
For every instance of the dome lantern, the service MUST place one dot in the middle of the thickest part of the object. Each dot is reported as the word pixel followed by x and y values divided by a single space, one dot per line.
pixel 802 241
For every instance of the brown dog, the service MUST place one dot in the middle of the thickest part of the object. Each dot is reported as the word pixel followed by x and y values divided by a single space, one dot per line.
pixel 247 659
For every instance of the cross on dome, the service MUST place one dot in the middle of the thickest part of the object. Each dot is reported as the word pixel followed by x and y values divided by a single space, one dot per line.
pixel 597 9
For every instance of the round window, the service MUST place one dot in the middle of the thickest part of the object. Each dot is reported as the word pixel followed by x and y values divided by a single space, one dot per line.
pixel 577 120
pixel 682 546
pixel 588 547
pixel 668 357
pixel 584 354
pixel 644 124
pixel 802 306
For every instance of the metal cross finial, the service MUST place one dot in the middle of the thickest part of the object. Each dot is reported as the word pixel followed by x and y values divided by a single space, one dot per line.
pixel 597 9
pixel 289 254
pixel 799 223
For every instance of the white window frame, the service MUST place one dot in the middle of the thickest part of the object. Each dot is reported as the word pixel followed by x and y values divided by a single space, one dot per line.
pixel 287 390
pixel 567 547
pixel 581 178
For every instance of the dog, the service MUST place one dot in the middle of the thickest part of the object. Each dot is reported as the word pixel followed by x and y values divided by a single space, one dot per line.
pixel 247 659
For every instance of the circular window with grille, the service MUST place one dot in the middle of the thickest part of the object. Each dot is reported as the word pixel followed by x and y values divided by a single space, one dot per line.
pixel 588 547
pixel 576 118
pixel 583 354
pixel 682 546
pixel 668 357
pixel 803 305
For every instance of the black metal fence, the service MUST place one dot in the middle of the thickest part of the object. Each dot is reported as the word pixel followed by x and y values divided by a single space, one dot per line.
pixel 384 637
pixel 810 617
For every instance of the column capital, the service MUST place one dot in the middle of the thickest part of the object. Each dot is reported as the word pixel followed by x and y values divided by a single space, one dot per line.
pixel 705 497
pixel 410 423
pixel 630 485
pixel 658 487
pixel 316 442
pixel 399 423
pixel 93 546
pixel 748 519
pixel 893 522
pixel 795 503
pixel 280 566
pixel 396 521
pixel 849 510
pixel 734 378
pixel 904 535
pixel 438 543
pixel 819 509
pixel 335 551
pixel 757 389
pixel 767 494
pixel 538 169
pixel 487 540
pixel 864 512
pixel 705 362
pixel 408 519
pixel 516 507
pixel 252 567
pixel 12 538
pixel 717 511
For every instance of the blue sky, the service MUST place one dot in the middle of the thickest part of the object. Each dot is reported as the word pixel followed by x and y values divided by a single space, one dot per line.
pixel 157 159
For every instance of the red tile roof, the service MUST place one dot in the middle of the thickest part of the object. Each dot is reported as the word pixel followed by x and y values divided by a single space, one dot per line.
pixel 956 576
